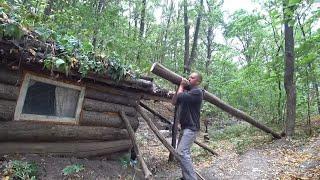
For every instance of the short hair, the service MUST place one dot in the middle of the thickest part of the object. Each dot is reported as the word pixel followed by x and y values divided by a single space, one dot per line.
pixel 199 77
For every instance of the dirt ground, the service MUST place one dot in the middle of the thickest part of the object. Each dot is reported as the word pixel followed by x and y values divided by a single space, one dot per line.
pixel 279 159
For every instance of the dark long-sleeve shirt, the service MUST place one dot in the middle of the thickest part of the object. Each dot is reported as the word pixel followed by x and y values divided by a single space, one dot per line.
pixel 189 106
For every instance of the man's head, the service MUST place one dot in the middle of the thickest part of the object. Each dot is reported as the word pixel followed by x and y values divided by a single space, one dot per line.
pixel 195 79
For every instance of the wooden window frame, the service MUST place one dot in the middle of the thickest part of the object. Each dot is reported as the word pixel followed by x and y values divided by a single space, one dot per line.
pixel 18 115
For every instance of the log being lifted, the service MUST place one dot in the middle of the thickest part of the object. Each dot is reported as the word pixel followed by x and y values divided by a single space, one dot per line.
pixel 30 131
pixel 146 171
pixel 160 137
pixel 165 73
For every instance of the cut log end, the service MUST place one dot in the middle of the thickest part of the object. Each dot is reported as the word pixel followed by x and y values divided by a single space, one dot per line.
pixel 153 66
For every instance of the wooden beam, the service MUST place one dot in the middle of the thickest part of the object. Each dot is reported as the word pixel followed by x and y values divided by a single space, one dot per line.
pixel 30 131
pixel 108 119
pixel 71 149
pixel 153 127
pixel 147 173
pixel 100 106
pixel 165 73
pixel 107 97
pixel 162 118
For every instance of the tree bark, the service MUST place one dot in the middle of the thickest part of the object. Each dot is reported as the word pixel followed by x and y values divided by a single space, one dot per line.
pixel 186 68
pixel 111 119
pixel 195 37
pixel 160 137
pixel 100 106
pixel 7 109
pixel 71 149
pixel 289 82
pixel 9 92
pixel 29 131
pixel 176 79
pixel 147 173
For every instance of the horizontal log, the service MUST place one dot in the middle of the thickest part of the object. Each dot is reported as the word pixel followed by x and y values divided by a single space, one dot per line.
pixel 9 76
pixel 100 106
pixel 7 109
pixel 91 118
pixel 74 149
pixel 107 97
pixel 9 92
pixel 29 131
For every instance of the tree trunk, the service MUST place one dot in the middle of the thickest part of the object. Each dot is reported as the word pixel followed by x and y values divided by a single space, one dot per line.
pixel 142 24
pixel 100 106
pixel 29 131
pixel 316 88
pixel 289 82
pixel 176 79
pixel 111 119
pixel 186 67
pixel 195 37
pixel 9 92
pixel 71 149
pixel 7 109
pixel 47 10
pixel 147 173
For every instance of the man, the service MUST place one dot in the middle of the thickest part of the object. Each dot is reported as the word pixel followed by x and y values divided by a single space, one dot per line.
pixel 188 100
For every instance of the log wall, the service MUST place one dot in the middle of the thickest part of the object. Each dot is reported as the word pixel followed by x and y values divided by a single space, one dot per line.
pixel 100 130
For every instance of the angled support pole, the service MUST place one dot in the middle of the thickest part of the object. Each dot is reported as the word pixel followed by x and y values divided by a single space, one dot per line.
pixel 146 171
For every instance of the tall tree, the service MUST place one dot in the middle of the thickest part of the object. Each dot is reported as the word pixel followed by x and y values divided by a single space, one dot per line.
pixel 289 74
pixel 186 67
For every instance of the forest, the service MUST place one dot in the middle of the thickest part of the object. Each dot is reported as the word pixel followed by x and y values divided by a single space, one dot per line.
pixel 265 61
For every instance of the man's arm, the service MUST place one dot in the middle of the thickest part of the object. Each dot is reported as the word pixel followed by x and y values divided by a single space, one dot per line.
pixel 183 84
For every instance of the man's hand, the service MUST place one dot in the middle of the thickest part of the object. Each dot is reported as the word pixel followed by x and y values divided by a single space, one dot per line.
pixel 184 82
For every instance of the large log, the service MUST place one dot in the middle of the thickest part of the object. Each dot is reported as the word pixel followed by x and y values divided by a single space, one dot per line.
pixel 100 106
pixel 162 118
pixel 74 149
pixel 7 110
pixel 146 171
pixel 91 118
pixel 153 127
pixel 165 73
pixel 101 96
pixel 9 76
pixel 29 131
pixel 9 92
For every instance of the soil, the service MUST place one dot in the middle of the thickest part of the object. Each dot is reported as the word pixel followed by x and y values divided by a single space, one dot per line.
pixel 278 159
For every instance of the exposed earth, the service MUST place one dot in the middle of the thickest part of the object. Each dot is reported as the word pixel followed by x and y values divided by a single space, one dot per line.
pixel 277 159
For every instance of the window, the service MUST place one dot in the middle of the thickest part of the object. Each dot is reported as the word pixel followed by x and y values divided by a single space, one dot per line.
pixel 43 99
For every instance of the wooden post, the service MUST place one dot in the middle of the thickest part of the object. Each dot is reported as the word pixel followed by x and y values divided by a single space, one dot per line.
pixel 147 173
pixel 169 122
pixel 160 137
pixel 165 73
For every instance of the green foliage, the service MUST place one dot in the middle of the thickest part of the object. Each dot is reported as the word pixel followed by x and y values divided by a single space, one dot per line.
pixel 125 160
pixel 72 169
pixel 21 170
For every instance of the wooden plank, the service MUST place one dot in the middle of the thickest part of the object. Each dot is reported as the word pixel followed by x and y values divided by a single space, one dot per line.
pixel 146 171
pixel 73 149
pixel 100 106
pixel 111 119
pixel 7 110
pixel 9 92
pixel 30 131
